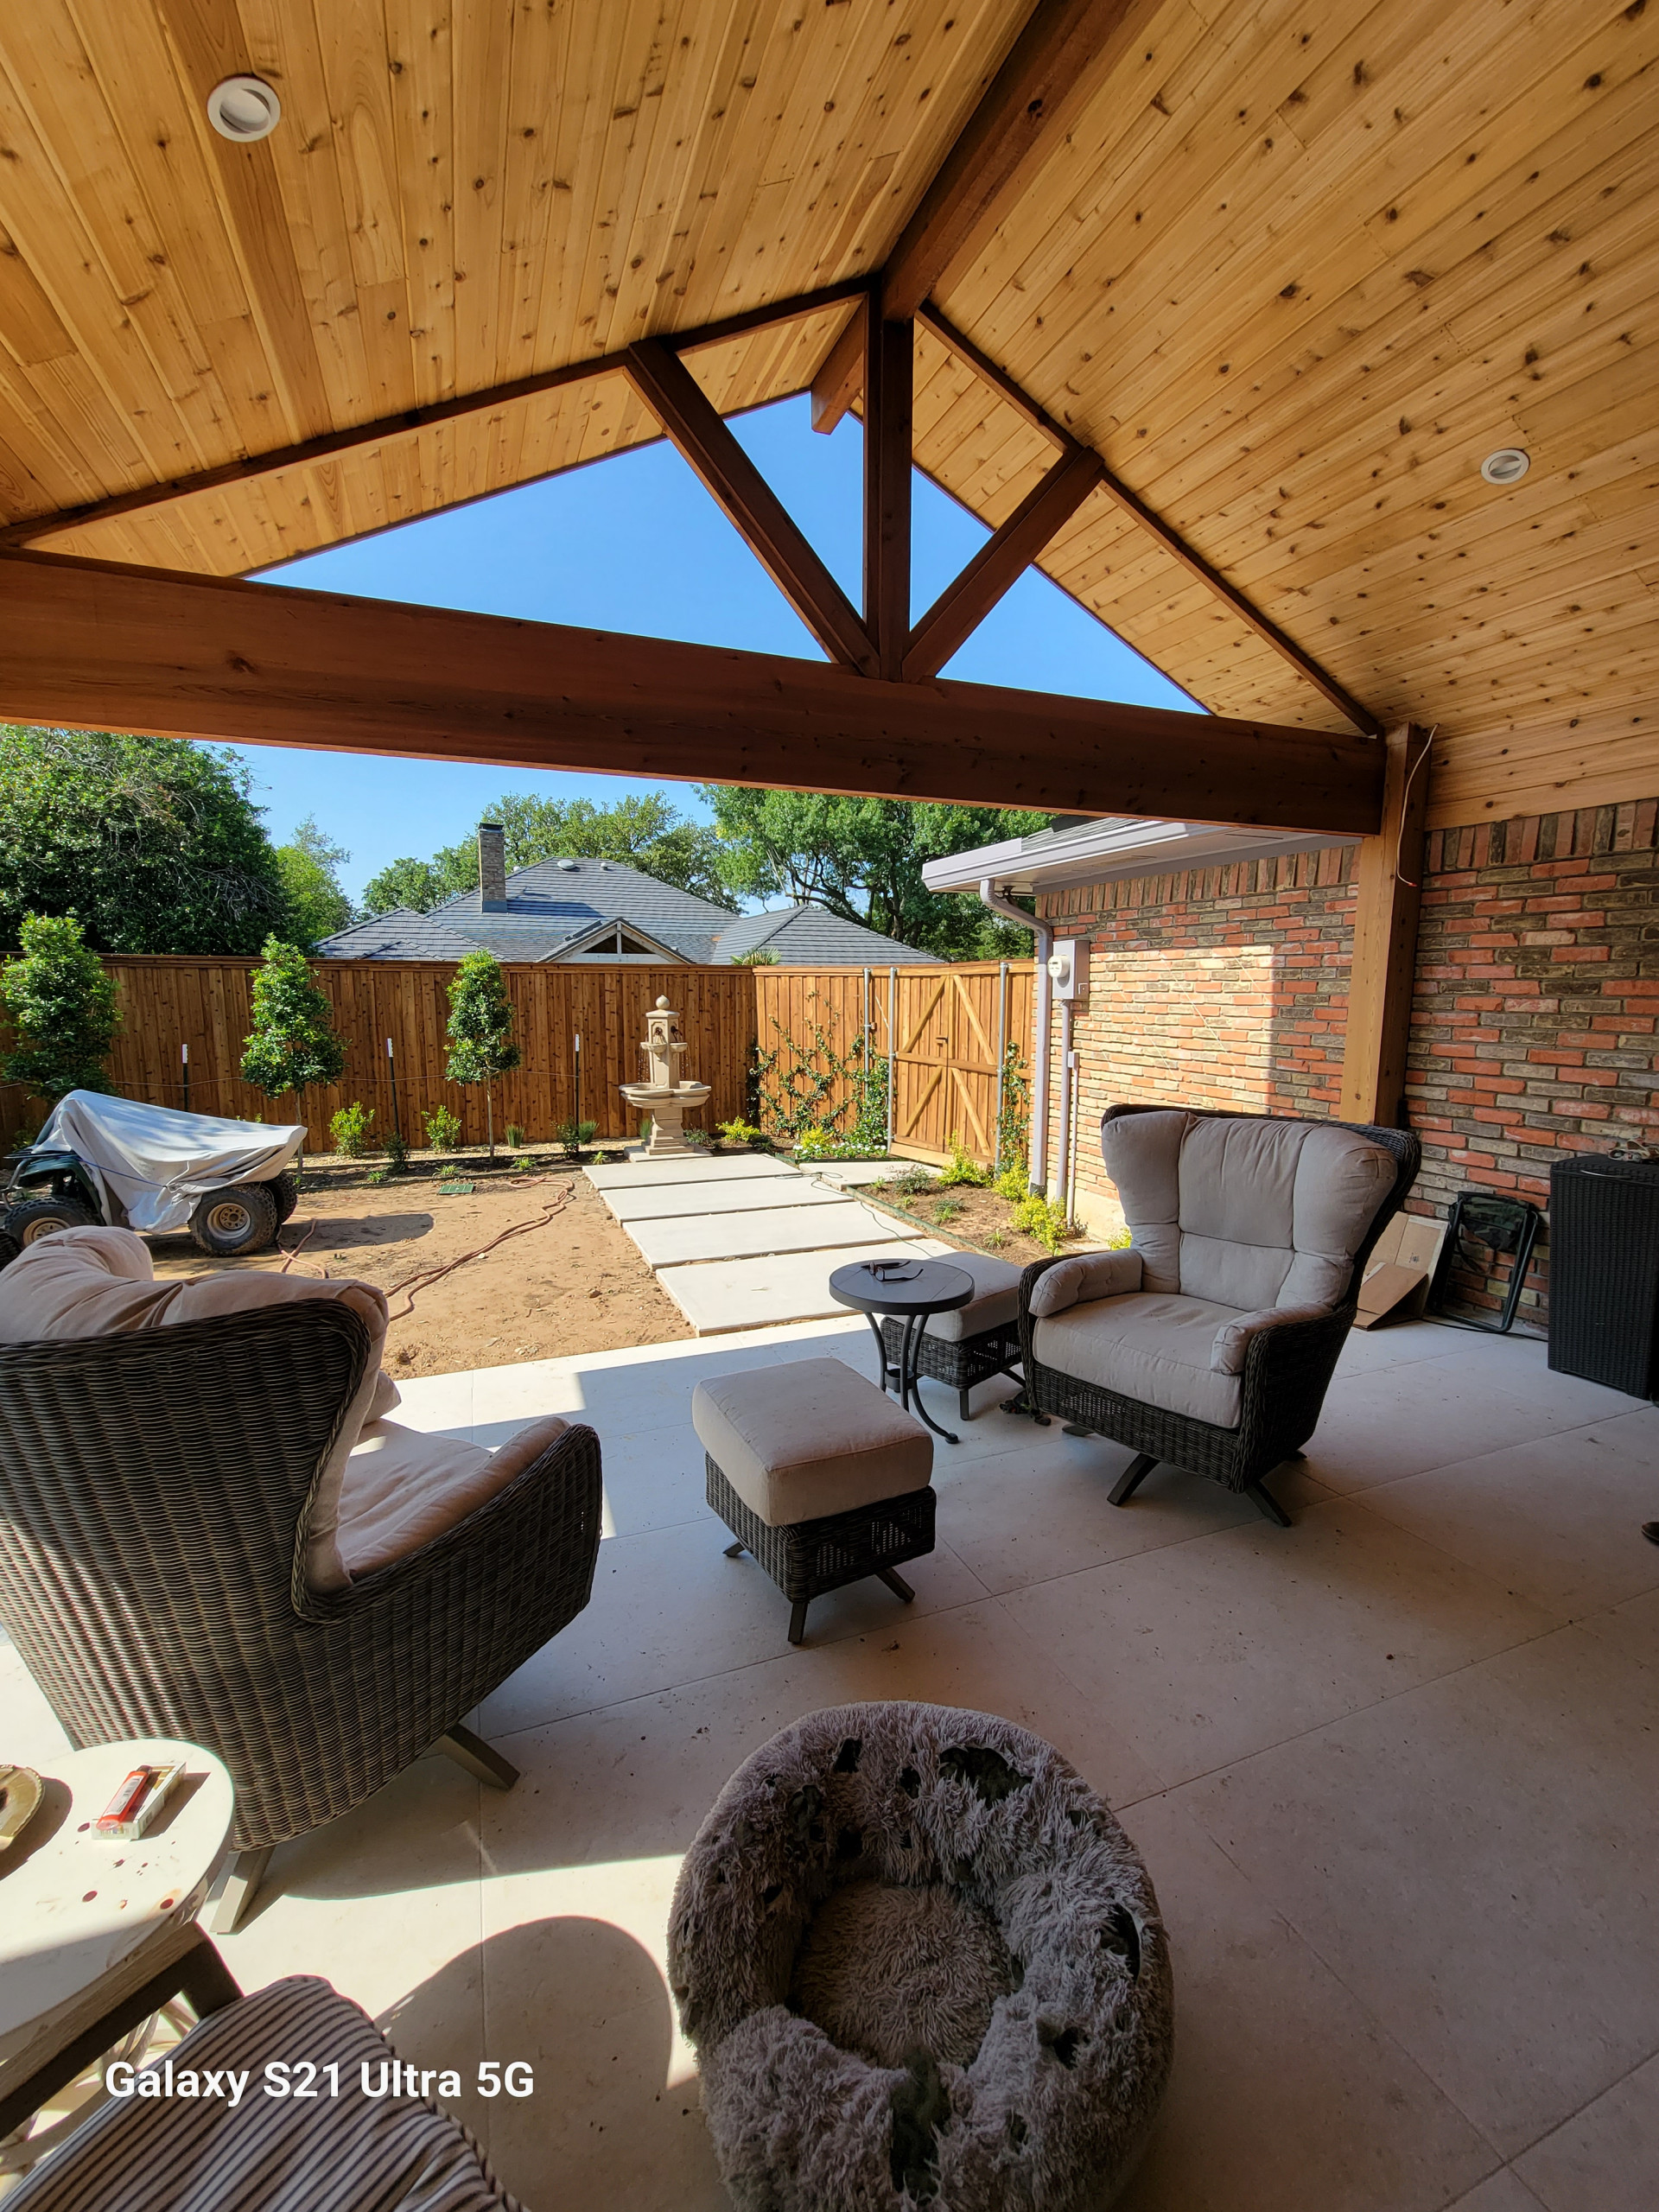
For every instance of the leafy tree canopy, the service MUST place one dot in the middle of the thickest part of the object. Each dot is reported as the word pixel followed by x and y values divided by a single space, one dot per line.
pixel 648 833
pixel 152 844
pixel 292 1044
pixel 60 1007
pixel 480 1022
pixel 862 859
pixel 309 865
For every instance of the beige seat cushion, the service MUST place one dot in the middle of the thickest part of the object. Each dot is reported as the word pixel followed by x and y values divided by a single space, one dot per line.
pixel 94 1282
pixel 1148 1346
pixel 401 1489
pixel 995 1302
pixel 811 1438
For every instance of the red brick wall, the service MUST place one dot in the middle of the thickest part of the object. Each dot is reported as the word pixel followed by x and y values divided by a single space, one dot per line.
pixel 1537 994
pixel 1536 1000
pixel 1217 986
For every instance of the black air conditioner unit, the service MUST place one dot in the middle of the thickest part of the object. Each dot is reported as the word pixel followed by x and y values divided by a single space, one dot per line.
pixel 1604 1272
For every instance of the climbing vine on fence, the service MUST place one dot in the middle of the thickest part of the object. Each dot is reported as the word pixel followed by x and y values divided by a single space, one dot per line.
pixel 801 1087
pixel 1014 1122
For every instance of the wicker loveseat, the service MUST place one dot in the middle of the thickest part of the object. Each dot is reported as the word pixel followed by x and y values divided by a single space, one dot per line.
pixel 179 1554
pixel 1210 1343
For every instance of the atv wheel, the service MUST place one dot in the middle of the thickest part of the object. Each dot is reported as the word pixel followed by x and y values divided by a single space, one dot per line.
pixel 286 1192
pixel 10 1249
pixel 240 1218
pixel 36 1217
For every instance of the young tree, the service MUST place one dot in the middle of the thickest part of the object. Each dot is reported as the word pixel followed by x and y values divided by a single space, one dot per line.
pixel 309 865
pixel 862 859
pixel 152 844
pixel 61 1008
pixel 292 1044
pixel 481 1030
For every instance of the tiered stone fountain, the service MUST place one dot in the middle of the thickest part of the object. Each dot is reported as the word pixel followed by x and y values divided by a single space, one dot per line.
pixel 665 1095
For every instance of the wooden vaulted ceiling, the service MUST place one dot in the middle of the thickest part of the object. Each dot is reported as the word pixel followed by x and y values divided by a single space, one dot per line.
pixel 1292 270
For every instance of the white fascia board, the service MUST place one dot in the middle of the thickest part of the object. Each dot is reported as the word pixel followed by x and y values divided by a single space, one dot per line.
pixel 1108 851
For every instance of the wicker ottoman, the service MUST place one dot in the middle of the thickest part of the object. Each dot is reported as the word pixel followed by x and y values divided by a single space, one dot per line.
pixel 818 1473
pixel 974 1342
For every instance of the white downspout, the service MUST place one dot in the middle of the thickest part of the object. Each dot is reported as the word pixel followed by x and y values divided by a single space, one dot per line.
pixel 1042 936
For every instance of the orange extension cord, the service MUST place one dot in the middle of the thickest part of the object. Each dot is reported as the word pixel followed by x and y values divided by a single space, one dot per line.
pixel 424 1278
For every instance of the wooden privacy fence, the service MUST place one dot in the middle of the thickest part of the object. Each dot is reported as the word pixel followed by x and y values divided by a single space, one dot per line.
pixel 945 1072
pixel 944 1031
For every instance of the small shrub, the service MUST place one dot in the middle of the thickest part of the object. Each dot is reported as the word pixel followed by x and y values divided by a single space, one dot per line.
pixel 1119 1241
pixel 350 1130
pixel 947 1210
pixel 741 1131
pixel 573 1135
pixel 379 1175
pixel 996 1240
pixel 443 1128
pixel 694 1136
pixel 515 1137
pixel 397 1154
pixel 523 1166
pixel 1012 1184
pixel 914 1182
pixel 1041 1219
pixel 964 1171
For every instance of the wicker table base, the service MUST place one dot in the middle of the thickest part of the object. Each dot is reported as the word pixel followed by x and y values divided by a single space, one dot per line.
pixel 810 1557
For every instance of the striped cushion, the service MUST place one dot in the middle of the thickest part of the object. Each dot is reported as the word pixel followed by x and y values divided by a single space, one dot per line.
pixel 350 2153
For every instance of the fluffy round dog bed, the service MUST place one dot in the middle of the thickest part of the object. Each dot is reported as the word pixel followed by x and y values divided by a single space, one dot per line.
pixel 920 1960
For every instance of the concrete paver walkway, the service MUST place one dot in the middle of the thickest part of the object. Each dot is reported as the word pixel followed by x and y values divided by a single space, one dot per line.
pixel 740 1242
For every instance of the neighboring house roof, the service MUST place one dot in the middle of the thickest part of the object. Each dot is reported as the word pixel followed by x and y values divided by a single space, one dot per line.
pixel 603 910
pixel 811 936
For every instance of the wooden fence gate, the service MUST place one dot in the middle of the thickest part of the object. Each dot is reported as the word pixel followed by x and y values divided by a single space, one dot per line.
pixel 951 1029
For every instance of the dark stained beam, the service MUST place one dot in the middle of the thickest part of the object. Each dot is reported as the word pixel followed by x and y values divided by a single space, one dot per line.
pixel 1155 527
pixel 1005 556
pixel 37 530
pixel 693 424
pixel 889 392
pixel 96 644
pixel 841 378
pixel 1052 58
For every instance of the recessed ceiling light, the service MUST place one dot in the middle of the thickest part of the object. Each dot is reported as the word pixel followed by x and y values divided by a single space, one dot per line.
pixel 244 108
pixel 1507 466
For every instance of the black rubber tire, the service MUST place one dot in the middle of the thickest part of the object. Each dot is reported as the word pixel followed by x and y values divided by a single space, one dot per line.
pixel 238 1219
pixel 10 1249
pixel 286 1192
pixel 36 1217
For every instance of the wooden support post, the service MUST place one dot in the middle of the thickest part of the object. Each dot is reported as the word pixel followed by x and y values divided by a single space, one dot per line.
pixel 691 420
pixel 1388 888
pixel 889 378
pixel 962 606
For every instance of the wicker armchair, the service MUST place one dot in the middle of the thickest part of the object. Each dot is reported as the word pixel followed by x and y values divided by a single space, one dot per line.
pixel 1264 1389
pixel 155 1490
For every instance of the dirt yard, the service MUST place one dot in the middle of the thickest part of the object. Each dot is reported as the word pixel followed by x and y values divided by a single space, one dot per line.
pixel 572 1284
pixel 981 1220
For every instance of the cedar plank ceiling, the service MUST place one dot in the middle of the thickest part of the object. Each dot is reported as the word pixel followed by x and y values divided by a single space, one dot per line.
pixel 1293 268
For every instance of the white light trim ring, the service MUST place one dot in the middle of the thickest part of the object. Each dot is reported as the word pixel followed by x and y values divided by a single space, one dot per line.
pixel 1507 466
pixel 244 108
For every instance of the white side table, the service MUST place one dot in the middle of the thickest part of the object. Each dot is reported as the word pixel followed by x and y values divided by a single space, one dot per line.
pixel 95 1935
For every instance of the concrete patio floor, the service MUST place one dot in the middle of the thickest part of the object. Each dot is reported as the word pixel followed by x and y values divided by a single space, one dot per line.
pixel 1393 1772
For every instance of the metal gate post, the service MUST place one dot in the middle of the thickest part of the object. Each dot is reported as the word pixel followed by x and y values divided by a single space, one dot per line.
pixel 1001 1059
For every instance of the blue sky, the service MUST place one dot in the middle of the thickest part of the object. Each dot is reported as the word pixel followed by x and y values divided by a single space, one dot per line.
pixel 634 542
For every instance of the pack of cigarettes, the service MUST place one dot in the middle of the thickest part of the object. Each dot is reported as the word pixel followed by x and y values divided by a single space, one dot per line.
pixel 135 1804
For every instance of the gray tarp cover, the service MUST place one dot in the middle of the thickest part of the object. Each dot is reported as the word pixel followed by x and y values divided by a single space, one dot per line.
pixel 153 1163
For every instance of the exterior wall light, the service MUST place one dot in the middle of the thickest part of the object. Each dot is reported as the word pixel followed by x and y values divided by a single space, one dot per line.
pixel 244 108
pixel 1507 466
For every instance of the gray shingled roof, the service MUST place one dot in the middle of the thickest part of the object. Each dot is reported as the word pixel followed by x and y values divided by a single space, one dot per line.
pixel 555 905
pixel 811 936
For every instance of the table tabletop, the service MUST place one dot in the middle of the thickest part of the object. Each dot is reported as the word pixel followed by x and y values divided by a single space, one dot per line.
pixel 927 1286
pixel 86 1920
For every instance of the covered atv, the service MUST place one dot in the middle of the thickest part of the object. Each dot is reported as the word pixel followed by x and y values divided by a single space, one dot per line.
pixel 113 1161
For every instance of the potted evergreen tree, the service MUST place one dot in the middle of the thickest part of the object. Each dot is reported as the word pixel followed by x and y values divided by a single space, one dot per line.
pixel 481 1030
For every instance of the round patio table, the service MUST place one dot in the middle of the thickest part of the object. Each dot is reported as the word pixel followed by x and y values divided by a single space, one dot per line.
pixel 910 1291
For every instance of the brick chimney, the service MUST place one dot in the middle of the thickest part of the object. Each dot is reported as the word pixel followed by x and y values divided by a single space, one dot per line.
pixel 492 867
